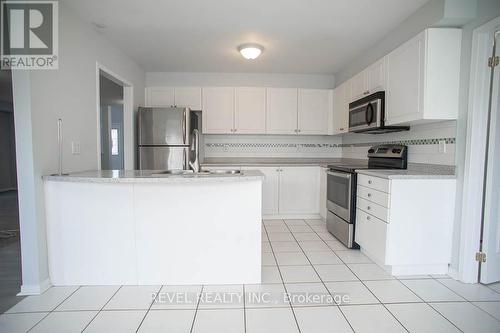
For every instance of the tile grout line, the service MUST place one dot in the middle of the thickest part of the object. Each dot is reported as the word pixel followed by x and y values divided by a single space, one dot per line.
pixel 467 301
pixel 319 276
pixel 149 308
pixel 448 320
pixel 281 276
pixel 197 307
pixel 364 286
pixel 59 304
pixel 99 311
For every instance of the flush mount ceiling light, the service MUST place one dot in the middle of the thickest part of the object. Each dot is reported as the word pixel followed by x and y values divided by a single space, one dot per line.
pixel 250 51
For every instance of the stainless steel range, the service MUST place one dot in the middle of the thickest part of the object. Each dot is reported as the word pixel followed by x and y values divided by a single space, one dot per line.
pixel 341 188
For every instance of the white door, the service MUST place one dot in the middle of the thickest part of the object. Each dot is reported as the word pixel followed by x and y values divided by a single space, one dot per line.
pixel 299 190
pixel 281 115
pixel 404 81
pixel 358 86
pixel 270 189
pixel 250 110
pixel 490 270
pixel 160 97
pixel 314 107
pixel 218 110
pixel 341 109
pixel 376 76
pixel 188 97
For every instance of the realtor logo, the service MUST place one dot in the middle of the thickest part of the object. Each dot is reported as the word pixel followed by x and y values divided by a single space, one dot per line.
pixel 29 35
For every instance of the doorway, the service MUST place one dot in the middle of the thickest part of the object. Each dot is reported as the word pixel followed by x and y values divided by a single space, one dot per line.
pixel 111 115
pixel 479 247
pixel 10 248
pixel 490 234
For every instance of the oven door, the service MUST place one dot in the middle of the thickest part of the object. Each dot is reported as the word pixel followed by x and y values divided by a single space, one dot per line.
pixel 365 116
pixel 338 188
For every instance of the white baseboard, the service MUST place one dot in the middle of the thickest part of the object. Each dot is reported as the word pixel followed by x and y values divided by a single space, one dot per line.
pixel 293 217
pixel 35 289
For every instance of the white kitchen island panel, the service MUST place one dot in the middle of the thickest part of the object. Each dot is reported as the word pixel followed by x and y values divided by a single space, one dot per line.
pixel 198 233
pixel 135 229
pixel 90 233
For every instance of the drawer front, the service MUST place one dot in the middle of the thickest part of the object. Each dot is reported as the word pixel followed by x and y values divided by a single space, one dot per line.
pixel 372 235
pixel 372 208
pixel 372 195
pixel 379 184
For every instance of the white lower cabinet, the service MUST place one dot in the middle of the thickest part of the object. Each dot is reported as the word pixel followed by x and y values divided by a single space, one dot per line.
pixel 323 211
pixel 299 190
pixel 406 224
pixel 290 191
pixel 270 189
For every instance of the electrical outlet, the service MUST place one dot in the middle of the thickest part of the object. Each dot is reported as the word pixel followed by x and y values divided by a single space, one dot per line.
pixel 442 146
pixel 75 147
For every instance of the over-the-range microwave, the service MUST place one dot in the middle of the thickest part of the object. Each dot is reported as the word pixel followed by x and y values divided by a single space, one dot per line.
pixel 367 115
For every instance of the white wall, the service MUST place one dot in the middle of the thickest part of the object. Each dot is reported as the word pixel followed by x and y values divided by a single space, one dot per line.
pixel 40 98
pixel 155 79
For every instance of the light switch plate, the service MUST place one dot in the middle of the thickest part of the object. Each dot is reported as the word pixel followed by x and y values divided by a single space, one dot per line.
pixel 75 147
pixel 442 146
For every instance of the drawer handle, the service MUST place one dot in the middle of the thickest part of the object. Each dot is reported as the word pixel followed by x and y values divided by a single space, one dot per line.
pixel 369 182
pixel 368 218
pixel 368 207
pixel 369 195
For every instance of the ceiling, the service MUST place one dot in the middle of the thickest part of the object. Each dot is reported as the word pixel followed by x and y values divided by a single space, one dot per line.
pixel 299 36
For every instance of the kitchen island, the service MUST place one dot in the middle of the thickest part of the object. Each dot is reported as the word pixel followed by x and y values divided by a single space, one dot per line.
pixel 149 228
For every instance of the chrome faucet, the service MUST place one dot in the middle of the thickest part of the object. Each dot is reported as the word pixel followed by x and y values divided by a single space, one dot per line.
pixel 195 146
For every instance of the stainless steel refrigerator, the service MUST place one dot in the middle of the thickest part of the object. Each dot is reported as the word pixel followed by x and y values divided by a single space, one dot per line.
pixel 163 138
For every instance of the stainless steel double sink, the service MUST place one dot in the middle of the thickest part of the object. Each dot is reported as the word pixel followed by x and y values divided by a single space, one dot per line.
pixel 202 172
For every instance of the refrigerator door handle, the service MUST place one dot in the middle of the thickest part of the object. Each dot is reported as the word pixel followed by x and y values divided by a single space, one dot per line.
pixel 184 126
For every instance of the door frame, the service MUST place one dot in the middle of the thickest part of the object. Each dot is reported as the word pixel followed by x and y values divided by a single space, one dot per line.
pixel 128 116
pixel 472 193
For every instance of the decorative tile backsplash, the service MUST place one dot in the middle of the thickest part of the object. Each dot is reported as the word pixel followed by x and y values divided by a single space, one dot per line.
pixel 329 145
pixel 423 142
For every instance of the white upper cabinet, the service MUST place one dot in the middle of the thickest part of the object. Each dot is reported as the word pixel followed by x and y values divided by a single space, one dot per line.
pixel 341 96
pixel 250 110
pixel 218 110
pixel 281 115
pixel 370 80
pixel 314 108
pixel 423 78
pixel 376 76
pixel 188 97
pixel 358 86
pixel 169 96
pixel 160 97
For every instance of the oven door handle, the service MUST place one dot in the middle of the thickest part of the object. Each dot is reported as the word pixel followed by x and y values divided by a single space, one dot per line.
pixel 339 174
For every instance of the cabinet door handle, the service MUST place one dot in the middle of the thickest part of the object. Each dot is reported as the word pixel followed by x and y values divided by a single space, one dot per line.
pixel 368 218
pixel 368 208
pixel 341 129
pixel 369 195
pixel 298 130
pixel 369 182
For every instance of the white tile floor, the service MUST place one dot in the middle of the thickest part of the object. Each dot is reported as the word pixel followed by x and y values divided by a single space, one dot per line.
pixel 330 288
